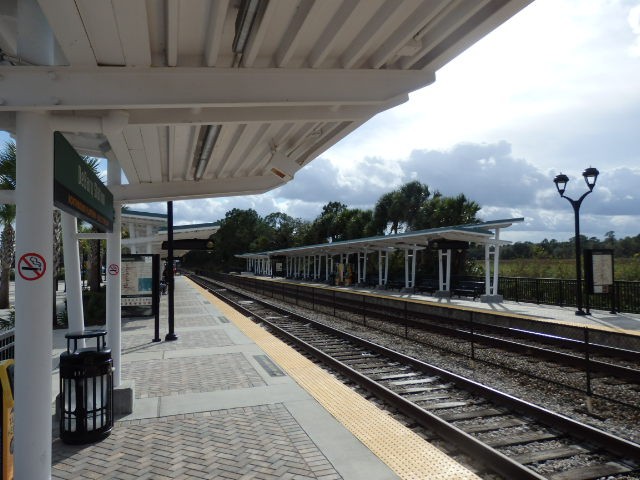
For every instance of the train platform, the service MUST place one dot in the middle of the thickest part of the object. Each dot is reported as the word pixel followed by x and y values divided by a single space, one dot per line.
pixel 627 323
pixel 229 401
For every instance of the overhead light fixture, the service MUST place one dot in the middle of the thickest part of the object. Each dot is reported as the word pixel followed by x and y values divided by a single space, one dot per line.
pixel 210 137
pixel 282 166
pixel 247 14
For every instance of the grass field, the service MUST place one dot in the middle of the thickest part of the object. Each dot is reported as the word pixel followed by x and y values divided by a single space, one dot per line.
pixel 624 268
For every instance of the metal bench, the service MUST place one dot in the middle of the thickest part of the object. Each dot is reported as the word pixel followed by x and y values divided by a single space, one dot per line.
pixel 468 289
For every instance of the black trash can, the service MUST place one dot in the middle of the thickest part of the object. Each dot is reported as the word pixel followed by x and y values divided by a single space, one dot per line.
pixel 86 389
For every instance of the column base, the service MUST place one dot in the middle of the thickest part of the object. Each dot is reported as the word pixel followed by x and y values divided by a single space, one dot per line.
pixel 491 298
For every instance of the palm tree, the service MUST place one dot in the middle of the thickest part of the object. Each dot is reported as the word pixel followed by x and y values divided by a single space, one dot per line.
pixel 7 217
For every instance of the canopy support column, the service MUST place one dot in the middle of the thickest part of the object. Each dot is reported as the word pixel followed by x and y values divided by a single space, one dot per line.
pixel 114 257
pixel 444 277
pixel 34 295
pixel 492 295
pixel 72 279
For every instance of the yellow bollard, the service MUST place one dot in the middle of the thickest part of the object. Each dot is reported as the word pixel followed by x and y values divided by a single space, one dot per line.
pixel 6 438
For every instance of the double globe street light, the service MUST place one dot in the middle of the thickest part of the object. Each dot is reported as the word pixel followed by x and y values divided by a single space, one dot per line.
pixel 590 176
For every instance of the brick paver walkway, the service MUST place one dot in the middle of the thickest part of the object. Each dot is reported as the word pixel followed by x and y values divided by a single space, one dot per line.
pixel 262 442
pixel 257 442
pixel 207 373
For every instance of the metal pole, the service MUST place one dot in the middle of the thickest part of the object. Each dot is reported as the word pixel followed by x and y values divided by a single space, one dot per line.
pixel 171 335
pixel 576 211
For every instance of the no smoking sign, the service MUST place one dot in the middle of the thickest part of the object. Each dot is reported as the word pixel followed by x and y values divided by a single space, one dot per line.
pixel 31 266
pixel 114 269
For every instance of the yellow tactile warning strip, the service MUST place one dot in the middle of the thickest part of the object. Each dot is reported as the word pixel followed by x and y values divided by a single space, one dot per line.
pixel 402 450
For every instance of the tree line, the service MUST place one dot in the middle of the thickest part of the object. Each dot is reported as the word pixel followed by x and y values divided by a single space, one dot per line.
pixel 627 247
pixel 410 207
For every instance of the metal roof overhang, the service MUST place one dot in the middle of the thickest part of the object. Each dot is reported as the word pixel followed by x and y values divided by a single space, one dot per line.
pixel 478 233
pixel 195 99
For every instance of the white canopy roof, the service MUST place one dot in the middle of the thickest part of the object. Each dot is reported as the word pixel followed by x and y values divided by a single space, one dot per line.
pixel 479 233
pixel 199 98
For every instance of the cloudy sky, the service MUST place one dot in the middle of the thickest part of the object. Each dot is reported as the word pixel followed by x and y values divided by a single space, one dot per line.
pixel 555 89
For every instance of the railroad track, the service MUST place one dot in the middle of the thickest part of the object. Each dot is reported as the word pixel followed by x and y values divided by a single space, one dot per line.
pixel 510 437
pixel 600 371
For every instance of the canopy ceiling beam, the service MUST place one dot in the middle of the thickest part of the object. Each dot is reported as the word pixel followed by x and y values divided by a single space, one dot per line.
pixel 65 88
pixel 182 190
pixel 241 115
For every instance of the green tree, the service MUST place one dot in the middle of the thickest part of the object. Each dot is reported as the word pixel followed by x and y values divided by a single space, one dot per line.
pixel 399 209
pixel 237 234
pixel 7 217
pixel 441 211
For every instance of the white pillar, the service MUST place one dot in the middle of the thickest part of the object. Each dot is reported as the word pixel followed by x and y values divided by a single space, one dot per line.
pixel 406 268
pixel 149 235
pixel 413 268
pixel 73 281
pixel 496 263
pixel 132 234
pixel 114 257
pixel 386 267
pixel 33 298
pixel 359 257
pixel 364 267
pixel 440 272
pixel 448 269
pixel 487 269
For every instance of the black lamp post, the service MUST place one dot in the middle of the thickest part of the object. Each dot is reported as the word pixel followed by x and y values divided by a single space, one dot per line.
pixel 590 176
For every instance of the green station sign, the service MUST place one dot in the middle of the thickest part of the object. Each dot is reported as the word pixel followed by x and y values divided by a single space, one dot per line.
pixel 77 189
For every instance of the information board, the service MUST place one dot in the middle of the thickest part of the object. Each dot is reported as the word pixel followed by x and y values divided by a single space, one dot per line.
pixel 599 270
pixel 137 285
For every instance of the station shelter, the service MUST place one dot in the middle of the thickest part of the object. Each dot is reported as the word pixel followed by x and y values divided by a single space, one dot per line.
pixel 187 99
pixel 331 261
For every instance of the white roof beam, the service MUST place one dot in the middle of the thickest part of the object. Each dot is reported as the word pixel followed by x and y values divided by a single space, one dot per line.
pixel 327 40
pixel 213 42
pixel 133 24
pixel 181 190
pixel 446 23
pixel 403 35
pixel 241 115
pixel 370 34
pixel 171 152
pixel 53 88
pixel 172 32
pixel 304 14
pixel 65 21
pixel 151 143
pixel 257 36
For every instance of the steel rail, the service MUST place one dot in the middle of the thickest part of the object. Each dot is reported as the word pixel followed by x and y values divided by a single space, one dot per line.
pixel 465 442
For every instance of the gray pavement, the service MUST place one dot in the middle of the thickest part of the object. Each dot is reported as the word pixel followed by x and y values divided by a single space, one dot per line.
pixel 626 321
pixel 212 405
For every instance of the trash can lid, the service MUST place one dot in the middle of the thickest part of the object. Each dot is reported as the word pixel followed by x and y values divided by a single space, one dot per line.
pixel 93 333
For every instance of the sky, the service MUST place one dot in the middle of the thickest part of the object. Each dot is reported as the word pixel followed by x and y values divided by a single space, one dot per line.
pixel 556 89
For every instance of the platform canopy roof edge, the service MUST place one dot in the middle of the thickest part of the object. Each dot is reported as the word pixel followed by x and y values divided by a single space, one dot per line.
pixel 478 233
